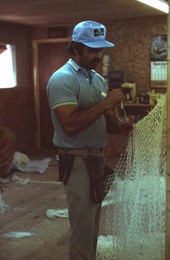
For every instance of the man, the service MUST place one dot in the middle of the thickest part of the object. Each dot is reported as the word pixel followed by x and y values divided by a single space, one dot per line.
pixel 82 112
pixel 7 149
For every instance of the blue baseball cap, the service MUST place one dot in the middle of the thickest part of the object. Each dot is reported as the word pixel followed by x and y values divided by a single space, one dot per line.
pixel 91 34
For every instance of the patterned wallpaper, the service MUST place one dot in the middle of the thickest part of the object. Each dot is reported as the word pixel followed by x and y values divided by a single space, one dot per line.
pixel 132 38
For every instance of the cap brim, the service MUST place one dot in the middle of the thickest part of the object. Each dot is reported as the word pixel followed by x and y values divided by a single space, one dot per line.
pixel 99 44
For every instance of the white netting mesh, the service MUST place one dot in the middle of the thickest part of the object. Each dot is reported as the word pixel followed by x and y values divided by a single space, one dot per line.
pixel 135 215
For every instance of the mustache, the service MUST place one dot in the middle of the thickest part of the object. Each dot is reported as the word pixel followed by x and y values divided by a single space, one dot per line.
pixel 96 60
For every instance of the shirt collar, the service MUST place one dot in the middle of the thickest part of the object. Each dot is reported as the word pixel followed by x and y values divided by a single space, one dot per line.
pixel 76 67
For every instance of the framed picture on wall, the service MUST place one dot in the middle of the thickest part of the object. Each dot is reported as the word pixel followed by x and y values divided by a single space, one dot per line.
pixel 159 48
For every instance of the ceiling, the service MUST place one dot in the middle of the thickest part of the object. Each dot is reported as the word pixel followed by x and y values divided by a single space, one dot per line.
pixel 63 12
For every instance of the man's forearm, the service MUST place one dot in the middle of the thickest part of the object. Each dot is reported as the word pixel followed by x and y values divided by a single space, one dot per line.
pixel 74 120
pixel 80 119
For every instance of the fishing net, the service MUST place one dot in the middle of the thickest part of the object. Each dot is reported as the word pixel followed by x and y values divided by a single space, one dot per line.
pixel 136 202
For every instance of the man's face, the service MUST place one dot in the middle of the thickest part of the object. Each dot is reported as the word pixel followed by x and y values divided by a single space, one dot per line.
pixel 90 57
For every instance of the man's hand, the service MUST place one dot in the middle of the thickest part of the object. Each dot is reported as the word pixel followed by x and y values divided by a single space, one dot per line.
pixel 114 97
pixel 125 127
pixel 116 126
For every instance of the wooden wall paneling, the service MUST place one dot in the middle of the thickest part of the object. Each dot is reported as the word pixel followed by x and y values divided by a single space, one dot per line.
pixel 36 92
pixel 167 255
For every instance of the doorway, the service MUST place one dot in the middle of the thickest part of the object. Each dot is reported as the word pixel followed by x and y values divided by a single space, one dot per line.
pixel 49 55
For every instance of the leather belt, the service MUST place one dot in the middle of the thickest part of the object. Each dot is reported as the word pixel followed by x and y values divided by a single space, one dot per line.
pixel 80 151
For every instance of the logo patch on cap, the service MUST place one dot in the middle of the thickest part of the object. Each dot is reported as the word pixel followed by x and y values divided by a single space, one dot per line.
pixel 99 32
pixel 91 34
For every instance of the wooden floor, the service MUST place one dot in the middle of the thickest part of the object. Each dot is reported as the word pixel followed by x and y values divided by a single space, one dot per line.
pixel 29 204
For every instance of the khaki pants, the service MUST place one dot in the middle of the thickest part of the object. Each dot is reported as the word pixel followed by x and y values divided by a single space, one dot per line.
pixel 84 214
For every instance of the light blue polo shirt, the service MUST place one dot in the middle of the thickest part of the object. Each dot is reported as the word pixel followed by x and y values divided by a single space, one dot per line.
pixel 71 85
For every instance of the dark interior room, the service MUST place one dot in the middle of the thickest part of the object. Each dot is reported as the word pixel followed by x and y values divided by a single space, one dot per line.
pixel 36 35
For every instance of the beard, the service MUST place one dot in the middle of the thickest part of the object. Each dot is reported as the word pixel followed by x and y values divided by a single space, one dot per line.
pixel 93 64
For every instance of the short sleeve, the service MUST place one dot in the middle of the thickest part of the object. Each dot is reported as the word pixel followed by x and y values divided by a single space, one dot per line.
pixel 62 90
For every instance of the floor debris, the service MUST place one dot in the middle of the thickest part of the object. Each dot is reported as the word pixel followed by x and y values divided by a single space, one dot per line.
pixel 14 234
pixel 33 166
pixel 3 206
pixel 53 213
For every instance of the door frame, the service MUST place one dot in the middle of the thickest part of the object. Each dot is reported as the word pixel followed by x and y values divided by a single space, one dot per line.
pixel 36 84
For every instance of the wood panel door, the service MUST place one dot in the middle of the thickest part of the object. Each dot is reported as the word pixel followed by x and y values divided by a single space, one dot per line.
pixel 48 57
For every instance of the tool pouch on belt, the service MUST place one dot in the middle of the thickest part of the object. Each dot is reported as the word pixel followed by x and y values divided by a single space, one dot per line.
pixel 99 174
pixel 65 164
